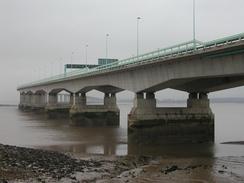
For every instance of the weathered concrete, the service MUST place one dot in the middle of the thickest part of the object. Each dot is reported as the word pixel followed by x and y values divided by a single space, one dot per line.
pixel 55 110
pixel 149 124
pixel 58 112
pixel 95 115
pixel 25 101
pixel 32 101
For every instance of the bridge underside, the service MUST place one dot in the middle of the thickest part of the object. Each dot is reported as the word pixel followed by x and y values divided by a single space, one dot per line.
pixel 212 84
pixel 205 84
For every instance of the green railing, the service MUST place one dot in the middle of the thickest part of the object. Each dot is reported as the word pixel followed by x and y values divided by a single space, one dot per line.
pixel 165 53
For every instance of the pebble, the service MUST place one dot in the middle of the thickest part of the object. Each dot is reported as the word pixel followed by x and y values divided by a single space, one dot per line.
pixel 170 169
pixel 41 162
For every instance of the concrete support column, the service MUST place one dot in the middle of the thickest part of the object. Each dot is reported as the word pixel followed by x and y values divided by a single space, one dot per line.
pixel 137 100
pixel 34 100
pixel 38 101
pixel 198 100
pixel 150 101
pixel 110 100
pixel 193 95
pixel 22 99
pixel 203 96
pixel 71 99
pixel 28 101
pixel 43 99
pixel 52 99
pixel 81 100
pixel 144 105
pixel 47 99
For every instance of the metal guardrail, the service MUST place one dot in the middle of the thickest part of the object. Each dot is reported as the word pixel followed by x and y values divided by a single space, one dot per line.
pixel 165 53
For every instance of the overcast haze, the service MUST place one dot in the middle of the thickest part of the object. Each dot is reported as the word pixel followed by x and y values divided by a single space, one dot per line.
pixel 38 36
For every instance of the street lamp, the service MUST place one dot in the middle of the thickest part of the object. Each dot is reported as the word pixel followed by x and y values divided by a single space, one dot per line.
pixel 86 53
pixel 61 65
pixel 194 23
pixel 71 59
pixel 107 35
pixel 137 45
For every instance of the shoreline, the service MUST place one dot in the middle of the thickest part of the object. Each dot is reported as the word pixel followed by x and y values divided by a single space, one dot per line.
pixel 173 101
pixel 19 164
pixel 234 142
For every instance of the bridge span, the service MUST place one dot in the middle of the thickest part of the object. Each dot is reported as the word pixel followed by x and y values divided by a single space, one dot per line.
pixel 194 67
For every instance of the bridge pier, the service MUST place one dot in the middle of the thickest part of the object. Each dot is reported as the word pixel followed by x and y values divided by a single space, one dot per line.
pixel 22 101
pixel 38 102
pixel 54 110
pixel 160 125
pixel 25 101
pixel 95 115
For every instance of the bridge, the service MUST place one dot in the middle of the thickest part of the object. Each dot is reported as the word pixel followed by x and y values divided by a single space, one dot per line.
pixel 195 67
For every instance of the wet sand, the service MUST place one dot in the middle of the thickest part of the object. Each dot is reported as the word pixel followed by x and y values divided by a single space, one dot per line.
pixel 33 165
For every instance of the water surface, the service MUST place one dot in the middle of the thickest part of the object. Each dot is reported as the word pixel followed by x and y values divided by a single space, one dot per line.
pixel 34 130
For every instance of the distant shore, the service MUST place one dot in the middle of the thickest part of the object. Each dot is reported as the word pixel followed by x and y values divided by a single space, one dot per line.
pixel 8 105
pixel 125 101
pixel 234 142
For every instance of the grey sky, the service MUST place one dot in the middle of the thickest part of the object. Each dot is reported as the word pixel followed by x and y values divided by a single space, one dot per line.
pixel 38 36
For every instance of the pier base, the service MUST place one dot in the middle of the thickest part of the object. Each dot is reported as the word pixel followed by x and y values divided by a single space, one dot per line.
pixel 95 115
pixel 57 112
pixel 24 107
pixel 148 124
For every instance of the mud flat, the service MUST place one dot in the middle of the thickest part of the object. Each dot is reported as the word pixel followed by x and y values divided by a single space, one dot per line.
pixel 18 164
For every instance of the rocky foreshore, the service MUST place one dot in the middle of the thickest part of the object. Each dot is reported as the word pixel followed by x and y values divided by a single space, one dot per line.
pixel 22 163
pixel 18 164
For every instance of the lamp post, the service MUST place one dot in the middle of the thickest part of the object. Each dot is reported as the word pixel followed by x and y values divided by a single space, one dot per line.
pixel 107 35
pixel 71 59
pixel 194 23
pixel 61 64
pixel 86 47
pixel 137 45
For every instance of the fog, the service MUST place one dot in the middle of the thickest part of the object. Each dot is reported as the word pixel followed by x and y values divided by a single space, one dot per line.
pixel 37 37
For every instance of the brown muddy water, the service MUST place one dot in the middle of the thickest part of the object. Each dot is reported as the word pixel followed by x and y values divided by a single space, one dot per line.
pixel 34 130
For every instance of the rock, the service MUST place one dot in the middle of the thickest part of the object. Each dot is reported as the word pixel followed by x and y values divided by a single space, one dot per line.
pixel 40 162
pixel 192 167
pixel 221 171
pixel 170 169
pixel 223 166
pixel 3 181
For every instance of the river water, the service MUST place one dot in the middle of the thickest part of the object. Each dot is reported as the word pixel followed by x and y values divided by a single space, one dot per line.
pixel 34 130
